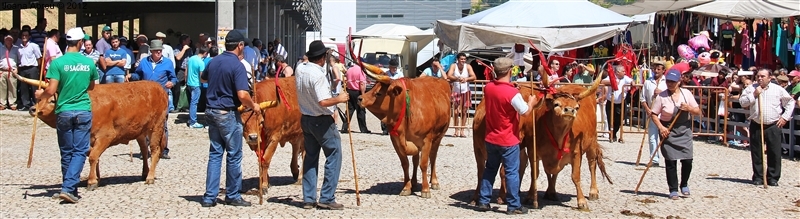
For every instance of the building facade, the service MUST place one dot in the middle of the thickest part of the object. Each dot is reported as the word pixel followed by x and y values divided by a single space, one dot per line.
pixel 419 13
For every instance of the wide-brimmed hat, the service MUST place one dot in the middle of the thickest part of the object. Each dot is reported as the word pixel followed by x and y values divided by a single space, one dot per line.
pixel 156 45
pixel 316 48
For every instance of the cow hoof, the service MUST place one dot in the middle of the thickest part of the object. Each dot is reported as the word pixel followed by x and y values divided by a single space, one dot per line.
pixel 299 182
pixel 425 194
pixel 551 197
pixel 149 181
pixel 473 202
pixel 500 201
pixel 594 197
pixel 435 186
pixel 583 207
pixel 91 187
pixel 405 192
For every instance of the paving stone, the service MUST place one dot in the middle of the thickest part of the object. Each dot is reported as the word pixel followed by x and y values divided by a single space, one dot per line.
pixel 720 182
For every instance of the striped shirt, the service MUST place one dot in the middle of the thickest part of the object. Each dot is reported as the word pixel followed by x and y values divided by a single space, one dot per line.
pixel 312 87
pixel 777 103
pixel 38 37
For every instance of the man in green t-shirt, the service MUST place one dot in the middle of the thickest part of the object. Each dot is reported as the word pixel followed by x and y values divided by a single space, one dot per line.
pixel 72 76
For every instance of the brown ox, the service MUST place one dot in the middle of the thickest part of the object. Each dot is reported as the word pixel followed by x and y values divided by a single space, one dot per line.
pixel 569 114
pixel 116 121
pixel 421 128
pixel 281 125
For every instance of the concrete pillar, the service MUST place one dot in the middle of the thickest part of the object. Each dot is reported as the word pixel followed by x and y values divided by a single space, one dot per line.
pixel 39 16
pixel 130 29
pixel 16 17
pixel 225 14
pixel 62 20
pixel 252 19
pixel 240 14
pixel 264 21
pixel 95 31
pixel 120 27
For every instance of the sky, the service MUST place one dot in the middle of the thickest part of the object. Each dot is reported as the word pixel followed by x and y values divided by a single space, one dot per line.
pixel 337 17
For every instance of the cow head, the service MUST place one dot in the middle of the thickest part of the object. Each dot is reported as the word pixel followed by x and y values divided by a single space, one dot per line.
pixel 253 120
pixel 385 96
pixel 47 107
pixel 565 104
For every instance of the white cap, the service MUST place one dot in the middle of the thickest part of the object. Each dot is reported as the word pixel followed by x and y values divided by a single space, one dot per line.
pixel 75 34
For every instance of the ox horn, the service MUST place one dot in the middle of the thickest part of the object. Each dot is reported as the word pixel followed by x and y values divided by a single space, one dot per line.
pixel 592 89
pixel 262 105
pixel 376 73
pixel 33 82
pixel 545 77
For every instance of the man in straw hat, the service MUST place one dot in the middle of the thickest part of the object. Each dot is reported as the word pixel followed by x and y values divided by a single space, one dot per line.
pixel 158 69
pixel 319 129
pixel 72 76
pixel 228 88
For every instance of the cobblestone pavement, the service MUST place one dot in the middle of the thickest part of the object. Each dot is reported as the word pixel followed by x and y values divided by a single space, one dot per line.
pixel 720 182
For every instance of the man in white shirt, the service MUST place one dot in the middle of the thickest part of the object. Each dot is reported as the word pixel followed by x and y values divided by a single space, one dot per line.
pixel 616 100
pixel 28 67
pixel 651 88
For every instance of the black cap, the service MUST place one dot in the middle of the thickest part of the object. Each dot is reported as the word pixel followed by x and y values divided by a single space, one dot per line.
pixel 316 48
pixel 234 37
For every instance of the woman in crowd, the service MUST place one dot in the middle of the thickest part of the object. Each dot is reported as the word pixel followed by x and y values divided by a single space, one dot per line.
pixel 676 104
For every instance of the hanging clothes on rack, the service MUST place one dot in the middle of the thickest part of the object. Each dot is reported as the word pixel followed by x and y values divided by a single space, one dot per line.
pixel 781 43
pixel 764 46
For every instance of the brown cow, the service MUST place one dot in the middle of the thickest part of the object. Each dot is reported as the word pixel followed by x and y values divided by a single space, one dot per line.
pixel 568 115
pixel 420 109
pixel 281 125
pixel 116 121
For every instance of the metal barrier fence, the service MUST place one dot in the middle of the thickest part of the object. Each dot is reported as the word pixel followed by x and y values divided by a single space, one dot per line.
pixel 719 127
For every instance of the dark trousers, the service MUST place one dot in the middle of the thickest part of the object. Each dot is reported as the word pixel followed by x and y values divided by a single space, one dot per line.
pixel 176 94
pixel 25 89
pixel 672 173
pixel 772 136
pixel 361 113
pixel 617 118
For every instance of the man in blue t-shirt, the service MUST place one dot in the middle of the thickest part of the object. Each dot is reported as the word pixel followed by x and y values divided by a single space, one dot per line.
pixel 116 58
pixel 194 66
pixel 228 88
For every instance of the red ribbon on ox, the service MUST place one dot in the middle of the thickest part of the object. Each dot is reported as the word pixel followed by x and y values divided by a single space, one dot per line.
pixel 487 71
pixel 551 89
pixel 400 117
pixel 280 91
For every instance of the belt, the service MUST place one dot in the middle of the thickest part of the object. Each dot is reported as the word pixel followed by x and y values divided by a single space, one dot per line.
pixel 317 116
pixel 224 108
pixel 352 89
pixel 26 67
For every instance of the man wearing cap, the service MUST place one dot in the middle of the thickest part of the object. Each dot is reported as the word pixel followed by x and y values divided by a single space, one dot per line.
pixel 777 107
pixel 319 129
pixel 794 75
pixel 651 88
pixel 167 52
pixel 28 67
pixel 103 44
pixel 71 77
pixel 159 69
pixel 9 63
pixel 228 88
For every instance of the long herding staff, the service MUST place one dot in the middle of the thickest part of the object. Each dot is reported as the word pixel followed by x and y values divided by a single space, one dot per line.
pixel 641 146
pixel 36 112
pixel 660 143
pixel 347 113
pixel 258 140
pixel 763 144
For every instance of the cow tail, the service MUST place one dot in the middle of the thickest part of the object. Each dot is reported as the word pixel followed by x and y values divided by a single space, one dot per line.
pixel 601 164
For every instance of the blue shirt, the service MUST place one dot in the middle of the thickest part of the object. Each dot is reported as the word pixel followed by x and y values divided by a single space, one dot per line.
pixel 116 55
pixel 226 76
pixel 194 66
pixel 251 55
pixel 130 53
pixel 160 71
pixel 797 53
pixel 206 61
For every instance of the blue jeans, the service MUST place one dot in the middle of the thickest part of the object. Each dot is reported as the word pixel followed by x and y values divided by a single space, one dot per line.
pixel 169 95
pixel 73 129
pixel 194 92
pixel 321 133
pixel 225 133
pixel 510 159
pixel 652 139
pixel 115 79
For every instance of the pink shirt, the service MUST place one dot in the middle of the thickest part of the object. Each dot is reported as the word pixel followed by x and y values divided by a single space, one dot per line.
pixel 664 106
pixel 52 50
pixel 355 77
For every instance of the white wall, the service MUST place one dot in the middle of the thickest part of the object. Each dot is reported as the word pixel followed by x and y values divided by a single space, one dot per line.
pixel 337 17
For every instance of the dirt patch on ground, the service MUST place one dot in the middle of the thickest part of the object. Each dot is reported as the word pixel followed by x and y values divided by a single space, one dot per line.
pixel 641 214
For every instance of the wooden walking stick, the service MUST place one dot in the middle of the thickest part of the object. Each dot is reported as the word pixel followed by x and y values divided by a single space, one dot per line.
pixel 258 140
pixel 535 164
pixel 763 144
pixel 641 146
pixel 36 112
pixel 660 143
pixel 350 133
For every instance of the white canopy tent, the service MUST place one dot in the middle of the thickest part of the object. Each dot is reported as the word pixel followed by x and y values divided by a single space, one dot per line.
pixel 546 13
pixel 390 31
pixel 422 38
pixel 741 9
pixel 464 37
pixel 649 6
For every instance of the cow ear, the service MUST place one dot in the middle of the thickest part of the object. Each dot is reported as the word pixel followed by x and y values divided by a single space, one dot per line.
pixel 397 90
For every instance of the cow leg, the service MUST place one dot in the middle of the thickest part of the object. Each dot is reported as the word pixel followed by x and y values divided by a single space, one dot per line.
pixel 550 194
pixel 594 193
pixel 480 161
pixel 423 166
pixel 404 164
pixel 415 166
pixel 97 149
pixel 434 152
pixel 157 143
pixel 268 154
pixel 576 179
pixel 297 152
pixel 142 141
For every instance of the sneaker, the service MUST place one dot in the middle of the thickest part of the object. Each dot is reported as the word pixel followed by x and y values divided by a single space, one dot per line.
pixel 197 126
pixel 67 197
pixel 309 205
pixel 238 202
pixel 520 210
pixel 331 206
pixel 208 204
pixel 165 155
pixel 773 183
pixel 483 207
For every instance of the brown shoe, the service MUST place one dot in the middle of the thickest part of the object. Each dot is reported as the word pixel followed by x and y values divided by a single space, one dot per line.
pixel 331 206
